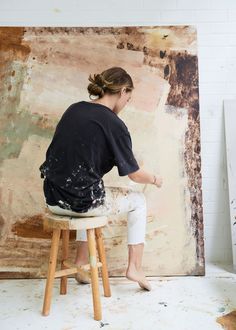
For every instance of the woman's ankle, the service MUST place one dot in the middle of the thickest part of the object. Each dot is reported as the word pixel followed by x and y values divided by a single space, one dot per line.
pixel 82 256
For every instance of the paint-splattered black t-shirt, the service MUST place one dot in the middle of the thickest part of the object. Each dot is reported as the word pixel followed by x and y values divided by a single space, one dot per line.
pixel 88 141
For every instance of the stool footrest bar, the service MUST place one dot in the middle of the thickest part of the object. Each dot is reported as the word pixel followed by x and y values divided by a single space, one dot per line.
pixel 73 268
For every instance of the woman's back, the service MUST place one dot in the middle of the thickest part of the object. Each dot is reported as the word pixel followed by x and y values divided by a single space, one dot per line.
pixel 88 141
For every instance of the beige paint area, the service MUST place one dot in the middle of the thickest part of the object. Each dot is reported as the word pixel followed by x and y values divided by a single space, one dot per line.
pixel 158 144
pixel 181 39
pixel 157 132
pixel 59 66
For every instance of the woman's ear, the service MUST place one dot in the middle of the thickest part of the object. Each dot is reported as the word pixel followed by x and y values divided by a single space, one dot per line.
pixel 123 90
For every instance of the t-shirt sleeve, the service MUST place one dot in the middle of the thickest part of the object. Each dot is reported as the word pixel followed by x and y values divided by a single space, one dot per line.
pixel 123 154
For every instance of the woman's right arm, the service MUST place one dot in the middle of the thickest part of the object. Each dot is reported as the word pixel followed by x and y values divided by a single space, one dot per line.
pixel 141 176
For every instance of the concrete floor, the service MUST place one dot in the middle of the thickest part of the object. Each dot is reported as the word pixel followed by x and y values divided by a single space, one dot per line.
pixel 181 303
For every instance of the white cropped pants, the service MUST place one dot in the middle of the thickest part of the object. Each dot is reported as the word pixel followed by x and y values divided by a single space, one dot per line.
pixel 117 201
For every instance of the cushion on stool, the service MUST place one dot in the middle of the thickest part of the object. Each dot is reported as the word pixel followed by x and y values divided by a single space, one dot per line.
pixel 55 221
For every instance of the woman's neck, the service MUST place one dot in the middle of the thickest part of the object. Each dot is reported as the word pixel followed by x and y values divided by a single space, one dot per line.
pixel 108 101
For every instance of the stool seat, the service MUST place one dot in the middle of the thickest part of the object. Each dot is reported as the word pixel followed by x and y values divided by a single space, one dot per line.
pixel 62 224
pixel 52 220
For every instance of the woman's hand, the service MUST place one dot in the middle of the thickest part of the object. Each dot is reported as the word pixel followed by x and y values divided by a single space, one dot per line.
pixel 157 181
pixel 141 176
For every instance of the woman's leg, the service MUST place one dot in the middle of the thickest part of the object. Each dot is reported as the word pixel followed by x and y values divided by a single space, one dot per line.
pixel 134 271
pixel 136 239
pixel 82 246
pixel 120 201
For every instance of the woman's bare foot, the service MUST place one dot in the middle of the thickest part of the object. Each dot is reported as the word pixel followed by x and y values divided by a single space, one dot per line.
pixel 82 276
pixel 138 276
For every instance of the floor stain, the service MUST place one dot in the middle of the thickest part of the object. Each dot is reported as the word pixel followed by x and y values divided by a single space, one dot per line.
pixel 103 324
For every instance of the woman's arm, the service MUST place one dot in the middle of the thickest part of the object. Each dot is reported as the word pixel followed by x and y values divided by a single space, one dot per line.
pixel 142 176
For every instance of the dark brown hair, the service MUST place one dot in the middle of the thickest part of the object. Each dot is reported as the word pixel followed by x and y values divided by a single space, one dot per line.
pixel 109 81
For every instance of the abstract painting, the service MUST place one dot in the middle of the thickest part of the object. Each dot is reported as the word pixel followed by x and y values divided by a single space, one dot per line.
pixel 43 71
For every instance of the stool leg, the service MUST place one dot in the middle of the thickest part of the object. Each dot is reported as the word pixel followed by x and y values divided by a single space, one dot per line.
pixel 94 274
pixel 102 259
pixel 65 250
pixel 51 271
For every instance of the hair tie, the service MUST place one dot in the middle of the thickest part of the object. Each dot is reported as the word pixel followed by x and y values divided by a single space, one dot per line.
pixel 102 86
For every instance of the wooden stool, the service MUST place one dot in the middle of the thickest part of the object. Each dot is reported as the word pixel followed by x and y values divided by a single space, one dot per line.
pixel 64 224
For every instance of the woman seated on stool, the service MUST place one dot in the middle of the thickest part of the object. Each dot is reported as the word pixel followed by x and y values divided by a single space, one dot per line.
pixel 88 141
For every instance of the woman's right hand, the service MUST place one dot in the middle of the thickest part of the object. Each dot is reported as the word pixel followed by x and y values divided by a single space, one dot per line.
pixel 157 181
pixel 141 176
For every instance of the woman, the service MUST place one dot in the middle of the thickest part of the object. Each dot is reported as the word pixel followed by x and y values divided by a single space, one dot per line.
pixel 88 141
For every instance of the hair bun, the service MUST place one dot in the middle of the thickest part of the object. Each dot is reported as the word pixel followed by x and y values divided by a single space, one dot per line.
pixel 99 80
pixel 109 81
pixel 97 85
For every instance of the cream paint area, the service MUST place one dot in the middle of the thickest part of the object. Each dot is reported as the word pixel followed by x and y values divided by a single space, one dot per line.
pixel 158 142
pixel 173 200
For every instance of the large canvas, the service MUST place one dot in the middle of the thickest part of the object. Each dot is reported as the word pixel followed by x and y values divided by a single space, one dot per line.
pixel 43 71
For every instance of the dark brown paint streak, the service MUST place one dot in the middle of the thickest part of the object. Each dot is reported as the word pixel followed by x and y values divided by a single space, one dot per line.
pixel 32 227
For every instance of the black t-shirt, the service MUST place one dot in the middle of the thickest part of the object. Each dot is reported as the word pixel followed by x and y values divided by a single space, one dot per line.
pixel 88 141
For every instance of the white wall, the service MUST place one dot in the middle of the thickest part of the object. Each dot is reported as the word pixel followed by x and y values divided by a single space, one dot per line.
pixel 216 24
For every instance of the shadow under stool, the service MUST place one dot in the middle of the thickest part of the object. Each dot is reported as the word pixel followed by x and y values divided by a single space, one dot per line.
pixel 61 224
